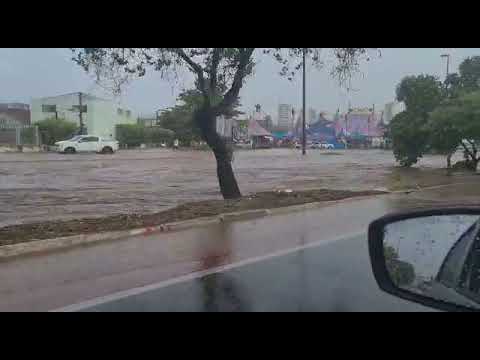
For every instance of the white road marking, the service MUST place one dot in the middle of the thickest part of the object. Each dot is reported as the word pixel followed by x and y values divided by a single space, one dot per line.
pixel 198 274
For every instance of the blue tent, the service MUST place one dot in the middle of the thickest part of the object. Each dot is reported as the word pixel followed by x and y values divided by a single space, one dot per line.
pixel 322 130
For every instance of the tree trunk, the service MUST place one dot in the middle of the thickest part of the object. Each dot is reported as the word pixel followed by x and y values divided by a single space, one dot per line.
pixel 205 119
pixel 449 160
pixel 473 164
pixel 226 177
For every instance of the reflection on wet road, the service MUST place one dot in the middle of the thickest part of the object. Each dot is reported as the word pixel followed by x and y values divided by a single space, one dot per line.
pixel 35 187
pixel 330 277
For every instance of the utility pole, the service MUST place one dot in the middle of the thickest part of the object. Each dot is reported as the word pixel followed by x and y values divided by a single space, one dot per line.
pixel 372 118
pixel 304 138
pixel 448 62
pixel 80 113
pixel 449 156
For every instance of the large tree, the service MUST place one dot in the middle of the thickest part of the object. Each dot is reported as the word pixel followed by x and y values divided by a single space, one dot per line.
pixel 220 74
pixel 180 118
pixel 456 123
pixel 421 95
pixel 466 80
pixel 470 74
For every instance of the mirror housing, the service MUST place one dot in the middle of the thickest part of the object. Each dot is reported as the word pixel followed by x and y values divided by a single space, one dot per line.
pixel 376 242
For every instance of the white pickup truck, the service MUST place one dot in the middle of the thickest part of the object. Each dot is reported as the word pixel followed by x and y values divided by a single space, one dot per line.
pixel 87 143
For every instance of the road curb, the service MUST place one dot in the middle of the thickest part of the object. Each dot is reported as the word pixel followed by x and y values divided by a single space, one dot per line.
pixel 40 246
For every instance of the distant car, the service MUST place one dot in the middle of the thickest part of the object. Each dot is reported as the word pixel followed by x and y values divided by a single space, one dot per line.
pixel 244 144
pixel 327 146
pixel 87 143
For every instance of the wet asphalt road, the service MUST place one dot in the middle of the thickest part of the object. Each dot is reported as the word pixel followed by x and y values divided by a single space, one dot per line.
pixel 305 280
pixel 45 186
pixel 54 280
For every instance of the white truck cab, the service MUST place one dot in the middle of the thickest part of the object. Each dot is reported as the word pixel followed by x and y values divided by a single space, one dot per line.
pixel 87 143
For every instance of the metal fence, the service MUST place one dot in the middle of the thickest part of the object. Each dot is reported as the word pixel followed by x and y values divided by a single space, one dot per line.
pixel 19 135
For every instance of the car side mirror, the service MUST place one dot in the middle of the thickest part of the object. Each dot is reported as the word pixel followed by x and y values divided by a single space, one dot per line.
pixel 431 257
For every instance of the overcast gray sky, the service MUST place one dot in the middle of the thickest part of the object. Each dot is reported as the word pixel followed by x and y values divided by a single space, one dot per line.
pixel 27 73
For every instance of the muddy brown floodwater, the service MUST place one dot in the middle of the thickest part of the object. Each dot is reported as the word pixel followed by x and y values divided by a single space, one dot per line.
pixel 47 186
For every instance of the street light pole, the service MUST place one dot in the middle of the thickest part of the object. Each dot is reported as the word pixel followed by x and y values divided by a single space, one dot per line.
pixel 448 62
pixel 304 138
pixel 449 156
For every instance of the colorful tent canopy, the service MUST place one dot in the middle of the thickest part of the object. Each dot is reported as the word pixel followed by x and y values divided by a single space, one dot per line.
pixel 254 129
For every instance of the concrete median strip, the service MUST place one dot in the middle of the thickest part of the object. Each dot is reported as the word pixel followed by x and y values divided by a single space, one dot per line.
pixel 39 246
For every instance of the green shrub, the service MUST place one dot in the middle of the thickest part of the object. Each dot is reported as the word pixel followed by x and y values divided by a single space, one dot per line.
pixel 53 130
pixel 134 135
pixel 130 134
pixel 27 136
pixel 155 135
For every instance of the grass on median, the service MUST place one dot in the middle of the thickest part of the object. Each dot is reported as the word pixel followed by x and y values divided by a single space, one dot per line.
pixel 14 234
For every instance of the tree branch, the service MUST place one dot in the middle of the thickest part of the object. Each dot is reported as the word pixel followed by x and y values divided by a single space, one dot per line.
pixel 467 150
pixel 195 68
pixel 232 94
pixel 474 148
pixel 216 57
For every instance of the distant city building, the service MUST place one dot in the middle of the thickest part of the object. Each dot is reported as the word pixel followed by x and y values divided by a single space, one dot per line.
pixel 326 115
pixel 391 109
pixel 100 117
pixel 148 120
pixel 298 121
pixel 312 116
pixel 285 117
pixel 14 114
pixel 359 123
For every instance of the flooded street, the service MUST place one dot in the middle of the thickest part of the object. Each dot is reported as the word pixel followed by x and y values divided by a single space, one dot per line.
pixel 46 186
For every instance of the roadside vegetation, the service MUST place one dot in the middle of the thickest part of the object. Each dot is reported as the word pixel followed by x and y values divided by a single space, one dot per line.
pixel 53 130
pixel 440 117
pixel 14 234
pixel 134 135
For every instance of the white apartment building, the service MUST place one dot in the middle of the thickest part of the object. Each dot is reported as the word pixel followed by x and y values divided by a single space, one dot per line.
pixel 100 116
pixel 392 109
pixel 285 118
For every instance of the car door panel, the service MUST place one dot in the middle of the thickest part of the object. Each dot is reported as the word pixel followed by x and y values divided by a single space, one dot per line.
pixel 83 145
pixel 93 143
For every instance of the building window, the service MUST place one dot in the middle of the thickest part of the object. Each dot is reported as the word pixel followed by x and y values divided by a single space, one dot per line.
pixel 77 108
pixel 128 113
pixel 119 111
pixel 49 108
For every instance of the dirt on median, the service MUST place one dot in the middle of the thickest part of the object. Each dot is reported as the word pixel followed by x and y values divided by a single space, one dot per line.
pixel 274 199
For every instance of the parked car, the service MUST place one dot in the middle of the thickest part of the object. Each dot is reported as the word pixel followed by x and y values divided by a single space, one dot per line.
pixel 87 143
pixel 244 144
pixel 326 146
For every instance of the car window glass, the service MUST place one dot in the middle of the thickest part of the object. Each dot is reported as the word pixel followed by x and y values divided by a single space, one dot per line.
pixel 90 139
